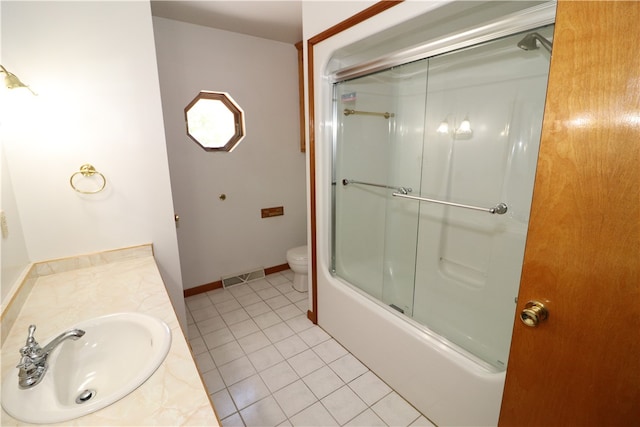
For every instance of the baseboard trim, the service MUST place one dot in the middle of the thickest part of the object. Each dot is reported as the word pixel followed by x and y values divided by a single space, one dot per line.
pixel 218 284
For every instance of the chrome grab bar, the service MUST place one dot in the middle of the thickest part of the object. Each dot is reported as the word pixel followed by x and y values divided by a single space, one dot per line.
pixel 499 209
pixel 401 190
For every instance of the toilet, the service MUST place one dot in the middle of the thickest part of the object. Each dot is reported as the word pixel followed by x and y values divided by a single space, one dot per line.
pixel 298 261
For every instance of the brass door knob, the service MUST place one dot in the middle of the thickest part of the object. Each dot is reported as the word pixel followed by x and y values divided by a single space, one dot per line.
pixel 534 312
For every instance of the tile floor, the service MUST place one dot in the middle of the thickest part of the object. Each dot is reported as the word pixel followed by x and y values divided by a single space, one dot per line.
pixel 265 364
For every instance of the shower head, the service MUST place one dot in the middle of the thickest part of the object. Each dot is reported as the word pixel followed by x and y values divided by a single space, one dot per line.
pixel 529 42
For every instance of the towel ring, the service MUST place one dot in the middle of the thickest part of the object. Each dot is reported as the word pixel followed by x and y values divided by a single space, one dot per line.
pixel 88 170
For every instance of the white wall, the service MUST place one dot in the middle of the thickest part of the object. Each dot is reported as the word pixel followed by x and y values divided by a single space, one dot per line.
pixel 220 238
pixel 93 65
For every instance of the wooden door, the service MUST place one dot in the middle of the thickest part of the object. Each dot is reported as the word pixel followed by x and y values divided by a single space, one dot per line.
pixel 581 366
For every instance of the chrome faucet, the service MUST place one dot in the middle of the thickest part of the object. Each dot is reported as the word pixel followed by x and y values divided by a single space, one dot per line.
pixel 33 363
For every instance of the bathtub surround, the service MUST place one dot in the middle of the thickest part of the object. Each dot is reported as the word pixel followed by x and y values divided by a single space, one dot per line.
pixel 63 292
pixel 460 391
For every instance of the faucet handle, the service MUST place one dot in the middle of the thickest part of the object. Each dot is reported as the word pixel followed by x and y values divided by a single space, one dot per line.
pixel 30 338
pixel 31 348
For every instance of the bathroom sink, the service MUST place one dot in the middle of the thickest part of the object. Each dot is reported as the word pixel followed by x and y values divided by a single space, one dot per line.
pixel 117 354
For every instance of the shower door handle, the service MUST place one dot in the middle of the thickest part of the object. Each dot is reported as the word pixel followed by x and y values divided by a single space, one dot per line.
pixel 533 313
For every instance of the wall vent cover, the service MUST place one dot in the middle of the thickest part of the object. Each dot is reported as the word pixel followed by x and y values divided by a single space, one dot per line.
pixel 238 279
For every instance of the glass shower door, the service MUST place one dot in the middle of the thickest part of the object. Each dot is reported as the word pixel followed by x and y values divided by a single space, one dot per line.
pixel 463 128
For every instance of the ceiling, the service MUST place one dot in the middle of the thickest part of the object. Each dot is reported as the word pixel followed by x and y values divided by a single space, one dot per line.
pixel 269 19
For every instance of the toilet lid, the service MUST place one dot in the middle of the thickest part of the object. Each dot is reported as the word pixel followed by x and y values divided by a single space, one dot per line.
pixel 298 254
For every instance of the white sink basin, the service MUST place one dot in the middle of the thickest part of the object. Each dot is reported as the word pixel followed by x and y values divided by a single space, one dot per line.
pixel 118 353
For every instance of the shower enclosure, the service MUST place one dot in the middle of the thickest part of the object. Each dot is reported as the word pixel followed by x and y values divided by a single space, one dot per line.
pixel 433 170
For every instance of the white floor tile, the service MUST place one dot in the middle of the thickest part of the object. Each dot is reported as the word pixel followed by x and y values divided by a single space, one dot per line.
pixel 223 403
pixel 265 294
pixel 236 370
pixel 204 313
pixel 295 296
pixel 276 279
pixel 218 338
pixel 329 350
pixel 314 416
pixel 278 376
pixel 240 290
pixel 323 382
pixel 269 360
pixel 235 316
pixel 227 306
pixel 278 332
pixel 254 342
pixel 265 358
pixel 257 308
pixel 277 302
pixel 395 411
pixel 294 398
pixel 343 405
pixel 422 421
pixel 284 287
pixel 291 346
pixel 249 299
pixel 243 328
pixel 198 301
pixel 248 391
pixel 314 336
pixel 370 388
pixel 300 323
pixel 366 419
pixel 305 362
pixel 220 295
pixel 192 331
pixel 233 421
pixel 226 353
pixel 197 345
pixel 204 362
pixel 289 311
pixel 259 285
pixel 213 381
pixel 212 324
pixel 267 319
pixel 264 413
pixel 348 367
pixel 303 305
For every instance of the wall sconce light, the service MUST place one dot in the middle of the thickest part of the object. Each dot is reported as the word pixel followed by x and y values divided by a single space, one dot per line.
pixel 464 131
pixel 11 81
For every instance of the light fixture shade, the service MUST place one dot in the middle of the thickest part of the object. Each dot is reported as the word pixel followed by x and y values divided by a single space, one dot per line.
pixel 444 127
pixel 464 128
pixel 11 81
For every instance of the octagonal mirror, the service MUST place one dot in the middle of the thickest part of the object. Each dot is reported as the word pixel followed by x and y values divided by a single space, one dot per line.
pixel 215 121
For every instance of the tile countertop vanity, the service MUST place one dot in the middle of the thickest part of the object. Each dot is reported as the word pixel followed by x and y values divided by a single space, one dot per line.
pixel 56 295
